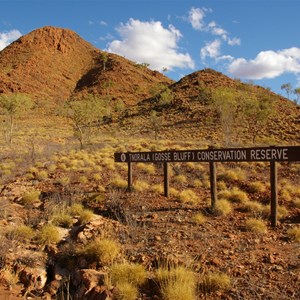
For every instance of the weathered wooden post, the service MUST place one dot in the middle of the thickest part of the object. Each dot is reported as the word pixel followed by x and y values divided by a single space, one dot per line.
pixel 213 184
pixel 166 179
pixel 274 193
pixel 129 177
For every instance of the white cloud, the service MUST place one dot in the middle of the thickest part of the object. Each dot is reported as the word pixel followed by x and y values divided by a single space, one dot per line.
pixel 8 37
pixel 267 64
pixel 150 42
pixel 211 49
pixel 196 16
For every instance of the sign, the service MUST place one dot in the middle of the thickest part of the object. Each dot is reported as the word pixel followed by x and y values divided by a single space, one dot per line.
pixel 291 153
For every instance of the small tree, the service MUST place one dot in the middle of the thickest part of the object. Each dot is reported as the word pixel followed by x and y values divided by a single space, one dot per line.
pixel 12 106
pixel 288 89
pixel 104 58
pixel 297 93
pixel 166 97
pixel 256 112
pixel 225 101
pixel 155 123
pixel 85 114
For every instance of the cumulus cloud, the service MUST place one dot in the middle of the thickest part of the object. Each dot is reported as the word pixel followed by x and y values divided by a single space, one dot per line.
pixel 267 64
pixel 196 18
pixel 211 50
pixel 150 42
pixel 8 37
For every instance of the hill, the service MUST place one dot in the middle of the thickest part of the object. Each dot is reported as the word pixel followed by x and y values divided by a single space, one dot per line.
pixel 191 113
pixel 54 63
pixel 68 225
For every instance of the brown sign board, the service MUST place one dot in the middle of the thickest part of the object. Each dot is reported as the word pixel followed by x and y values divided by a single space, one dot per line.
pixel 289 153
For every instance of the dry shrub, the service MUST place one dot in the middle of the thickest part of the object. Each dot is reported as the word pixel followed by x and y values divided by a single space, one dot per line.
pixel 126 291
pixel 215 281
pixel 41 175
pixel 22 233
pixel 257 187
pixel 82 214
pixel 147 168
pixel 180 179
pixel 222 207
pixel 297 202
pixel 294 234
pixel 253 207
pixel 255 225
pixel 234 195
pixel 197 183
pixel 119 183
pixel 177 283
pixel 140 186
pixel 128 273
pixel 236 174
pixel 62 219
pixel 31 198
pixel 48 234
pixel 103 250
pixel 188 196
pixel 199 218
pixel 157 188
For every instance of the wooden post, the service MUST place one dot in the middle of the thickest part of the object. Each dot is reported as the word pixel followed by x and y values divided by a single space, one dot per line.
pixel 274 193
pixel 129 186
pixel 166 179
pixel 213 184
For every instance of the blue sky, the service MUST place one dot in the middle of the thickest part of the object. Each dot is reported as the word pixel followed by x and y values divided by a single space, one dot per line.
pixel 254 40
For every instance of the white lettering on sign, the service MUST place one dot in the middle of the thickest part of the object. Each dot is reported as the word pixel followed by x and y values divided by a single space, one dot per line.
pixel 221 155
pixel 163 156
pixel 182 156
pixel 139 157
pixel 269 154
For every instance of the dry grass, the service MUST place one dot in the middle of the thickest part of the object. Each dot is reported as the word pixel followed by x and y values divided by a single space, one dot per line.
pixel 177 283
pixel 199 218
pixel 223 207
pixel 103 250
pixel 256 226
pixel 48 234
pixel 188 196
pixel 294 234
pixel 134 274
pixel 214 281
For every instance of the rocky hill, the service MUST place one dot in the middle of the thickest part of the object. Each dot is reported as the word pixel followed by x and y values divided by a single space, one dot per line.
pixel 54 63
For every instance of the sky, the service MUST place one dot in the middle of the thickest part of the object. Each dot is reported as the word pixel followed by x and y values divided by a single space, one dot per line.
pixel 256 41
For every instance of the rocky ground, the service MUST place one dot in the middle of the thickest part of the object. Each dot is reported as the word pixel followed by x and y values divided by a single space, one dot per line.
pixel 153 231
